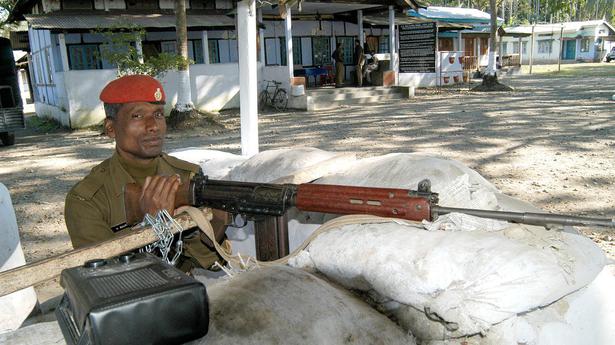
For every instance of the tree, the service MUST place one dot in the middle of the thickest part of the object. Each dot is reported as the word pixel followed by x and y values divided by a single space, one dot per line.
pixel 120 49
pixel 183 109
pixel 6 6
pixel 490 79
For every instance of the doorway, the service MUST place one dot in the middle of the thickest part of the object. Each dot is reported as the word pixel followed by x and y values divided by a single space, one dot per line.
pixel 570 49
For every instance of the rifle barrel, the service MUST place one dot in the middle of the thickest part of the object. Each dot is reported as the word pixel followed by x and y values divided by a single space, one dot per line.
pixel 528 218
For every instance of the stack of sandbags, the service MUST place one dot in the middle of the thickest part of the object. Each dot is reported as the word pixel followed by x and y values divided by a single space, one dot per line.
pixel 459 276
pixel 15 307
pixel 275 305
pixel 283 305
pixel 269 166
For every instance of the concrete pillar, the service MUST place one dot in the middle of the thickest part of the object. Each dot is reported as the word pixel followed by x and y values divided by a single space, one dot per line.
pixel 139 47
pixel 261 36
pixel 63 52
pixel 288 28
pixel 477 40
pixel 360 27
pixel 205 40
pixel 460 42
pixel 520 51
pixel 246 39
pixel 392 40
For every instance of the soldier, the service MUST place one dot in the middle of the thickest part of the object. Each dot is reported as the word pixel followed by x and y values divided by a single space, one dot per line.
pixel 94 208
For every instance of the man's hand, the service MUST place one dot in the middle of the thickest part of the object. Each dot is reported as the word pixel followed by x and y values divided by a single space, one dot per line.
pixel 158 193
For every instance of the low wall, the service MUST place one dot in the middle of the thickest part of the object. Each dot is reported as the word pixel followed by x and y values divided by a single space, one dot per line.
pixel 82 90
pixel 449 71
pixel 214 87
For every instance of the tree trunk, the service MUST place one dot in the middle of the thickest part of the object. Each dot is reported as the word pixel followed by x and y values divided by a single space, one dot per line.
pixel 490 79
pixel 184 108
pixel 492 37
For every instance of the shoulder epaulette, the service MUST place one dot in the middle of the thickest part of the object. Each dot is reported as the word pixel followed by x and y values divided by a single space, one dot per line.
pixel 87 187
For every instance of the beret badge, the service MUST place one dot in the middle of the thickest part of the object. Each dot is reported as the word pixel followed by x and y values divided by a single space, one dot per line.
pixel 158 95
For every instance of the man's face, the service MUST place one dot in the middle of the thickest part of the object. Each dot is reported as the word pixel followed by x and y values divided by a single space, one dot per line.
pixel 138 130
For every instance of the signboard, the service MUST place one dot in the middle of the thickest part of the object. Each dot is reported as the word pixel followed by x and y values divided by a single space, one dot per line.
pixel 417 48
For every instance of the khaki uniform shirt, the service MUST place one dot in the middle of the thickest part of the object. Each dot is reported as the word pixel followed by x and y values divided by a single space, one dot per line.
pixel 94 208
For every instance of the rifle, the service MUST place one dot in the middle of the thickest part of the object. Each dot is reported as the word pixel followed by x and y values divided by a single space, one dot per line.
pixel 254 200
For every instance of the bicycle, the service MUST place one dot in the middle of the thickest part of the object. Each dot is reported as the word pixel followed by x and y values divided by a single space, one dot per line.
pixel 278 98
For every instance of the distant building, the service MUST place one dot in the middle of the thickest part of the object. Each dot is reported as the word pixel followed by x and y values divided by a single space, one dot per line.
pixel 67 72
pixel 578 41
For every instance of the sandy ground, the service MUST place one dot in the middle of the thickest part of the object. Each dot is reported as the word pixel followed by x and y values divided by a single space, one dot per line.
pixel 550 142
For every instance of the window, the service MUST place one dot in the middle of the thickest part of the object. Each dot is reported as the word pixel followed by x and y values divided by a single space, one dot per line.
pixel 585 45
pixel 515 48
pixel 169 47
pixel 83 56
pixel 545 46
pixel 321 51
pixel 524 47
pixel 141 5
pixel 197 51
pixel 202 4
pixel 383 46
pixel 504 48
pixel 484 46
pixel 76 4
pixel 297 56
pixel 214 56
pixel 272 49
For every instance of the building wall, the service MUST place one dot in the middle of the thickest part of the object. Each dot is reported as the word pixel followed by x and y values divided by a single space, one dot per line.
pixel 47 82
pixel 446 72
pixel 214 87
pixel 590 50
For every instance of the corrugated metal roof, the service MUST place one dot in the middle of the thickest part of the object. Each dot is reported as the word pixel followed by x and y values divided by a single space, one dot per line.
pixel 569 27
pixel 71 22
pixel 382 19
pixel 453 14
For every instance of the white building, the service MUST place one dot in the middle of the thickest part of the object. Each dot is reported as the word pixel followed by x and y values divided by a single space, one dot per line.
pixel 67 75
pixel 577 41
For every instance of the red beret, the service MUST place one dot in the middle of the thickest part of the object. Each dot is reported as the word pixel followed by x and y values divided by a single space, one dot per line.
pixel 133 88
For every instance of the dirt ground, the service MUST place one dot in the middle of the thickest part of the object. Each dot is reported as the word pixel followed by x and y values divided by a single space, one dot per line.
pixel 550 142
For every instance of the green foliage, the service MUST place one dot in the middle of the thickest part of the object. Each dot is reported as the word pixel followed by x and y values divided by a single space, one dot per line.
pixel 43 124
pixel 541 11
pixel 120 50
pixel 6 6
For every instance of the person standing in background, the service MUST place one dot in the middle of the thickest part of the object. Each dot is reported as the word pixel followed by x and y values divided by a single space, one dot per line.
pixel 338 57
pixel 359 60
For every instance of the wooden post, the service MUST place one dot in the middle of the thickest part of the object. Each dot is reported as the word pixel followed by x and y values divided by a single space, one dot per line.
pixel 532 49
pixel 248 83
pixel 31 274
pixel 561 46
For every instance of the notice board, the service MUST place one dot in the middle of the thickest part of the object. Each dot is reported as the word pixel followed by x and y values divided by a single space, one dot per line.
pixel 417 48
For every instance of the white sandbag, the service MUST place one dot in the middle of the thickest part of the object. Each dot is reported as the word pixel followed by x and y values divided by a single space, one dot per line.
pixel 269 165
pixel 469 280
pixel 15 307
pixel 283 305
pixel 586 316
pixel 215 164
